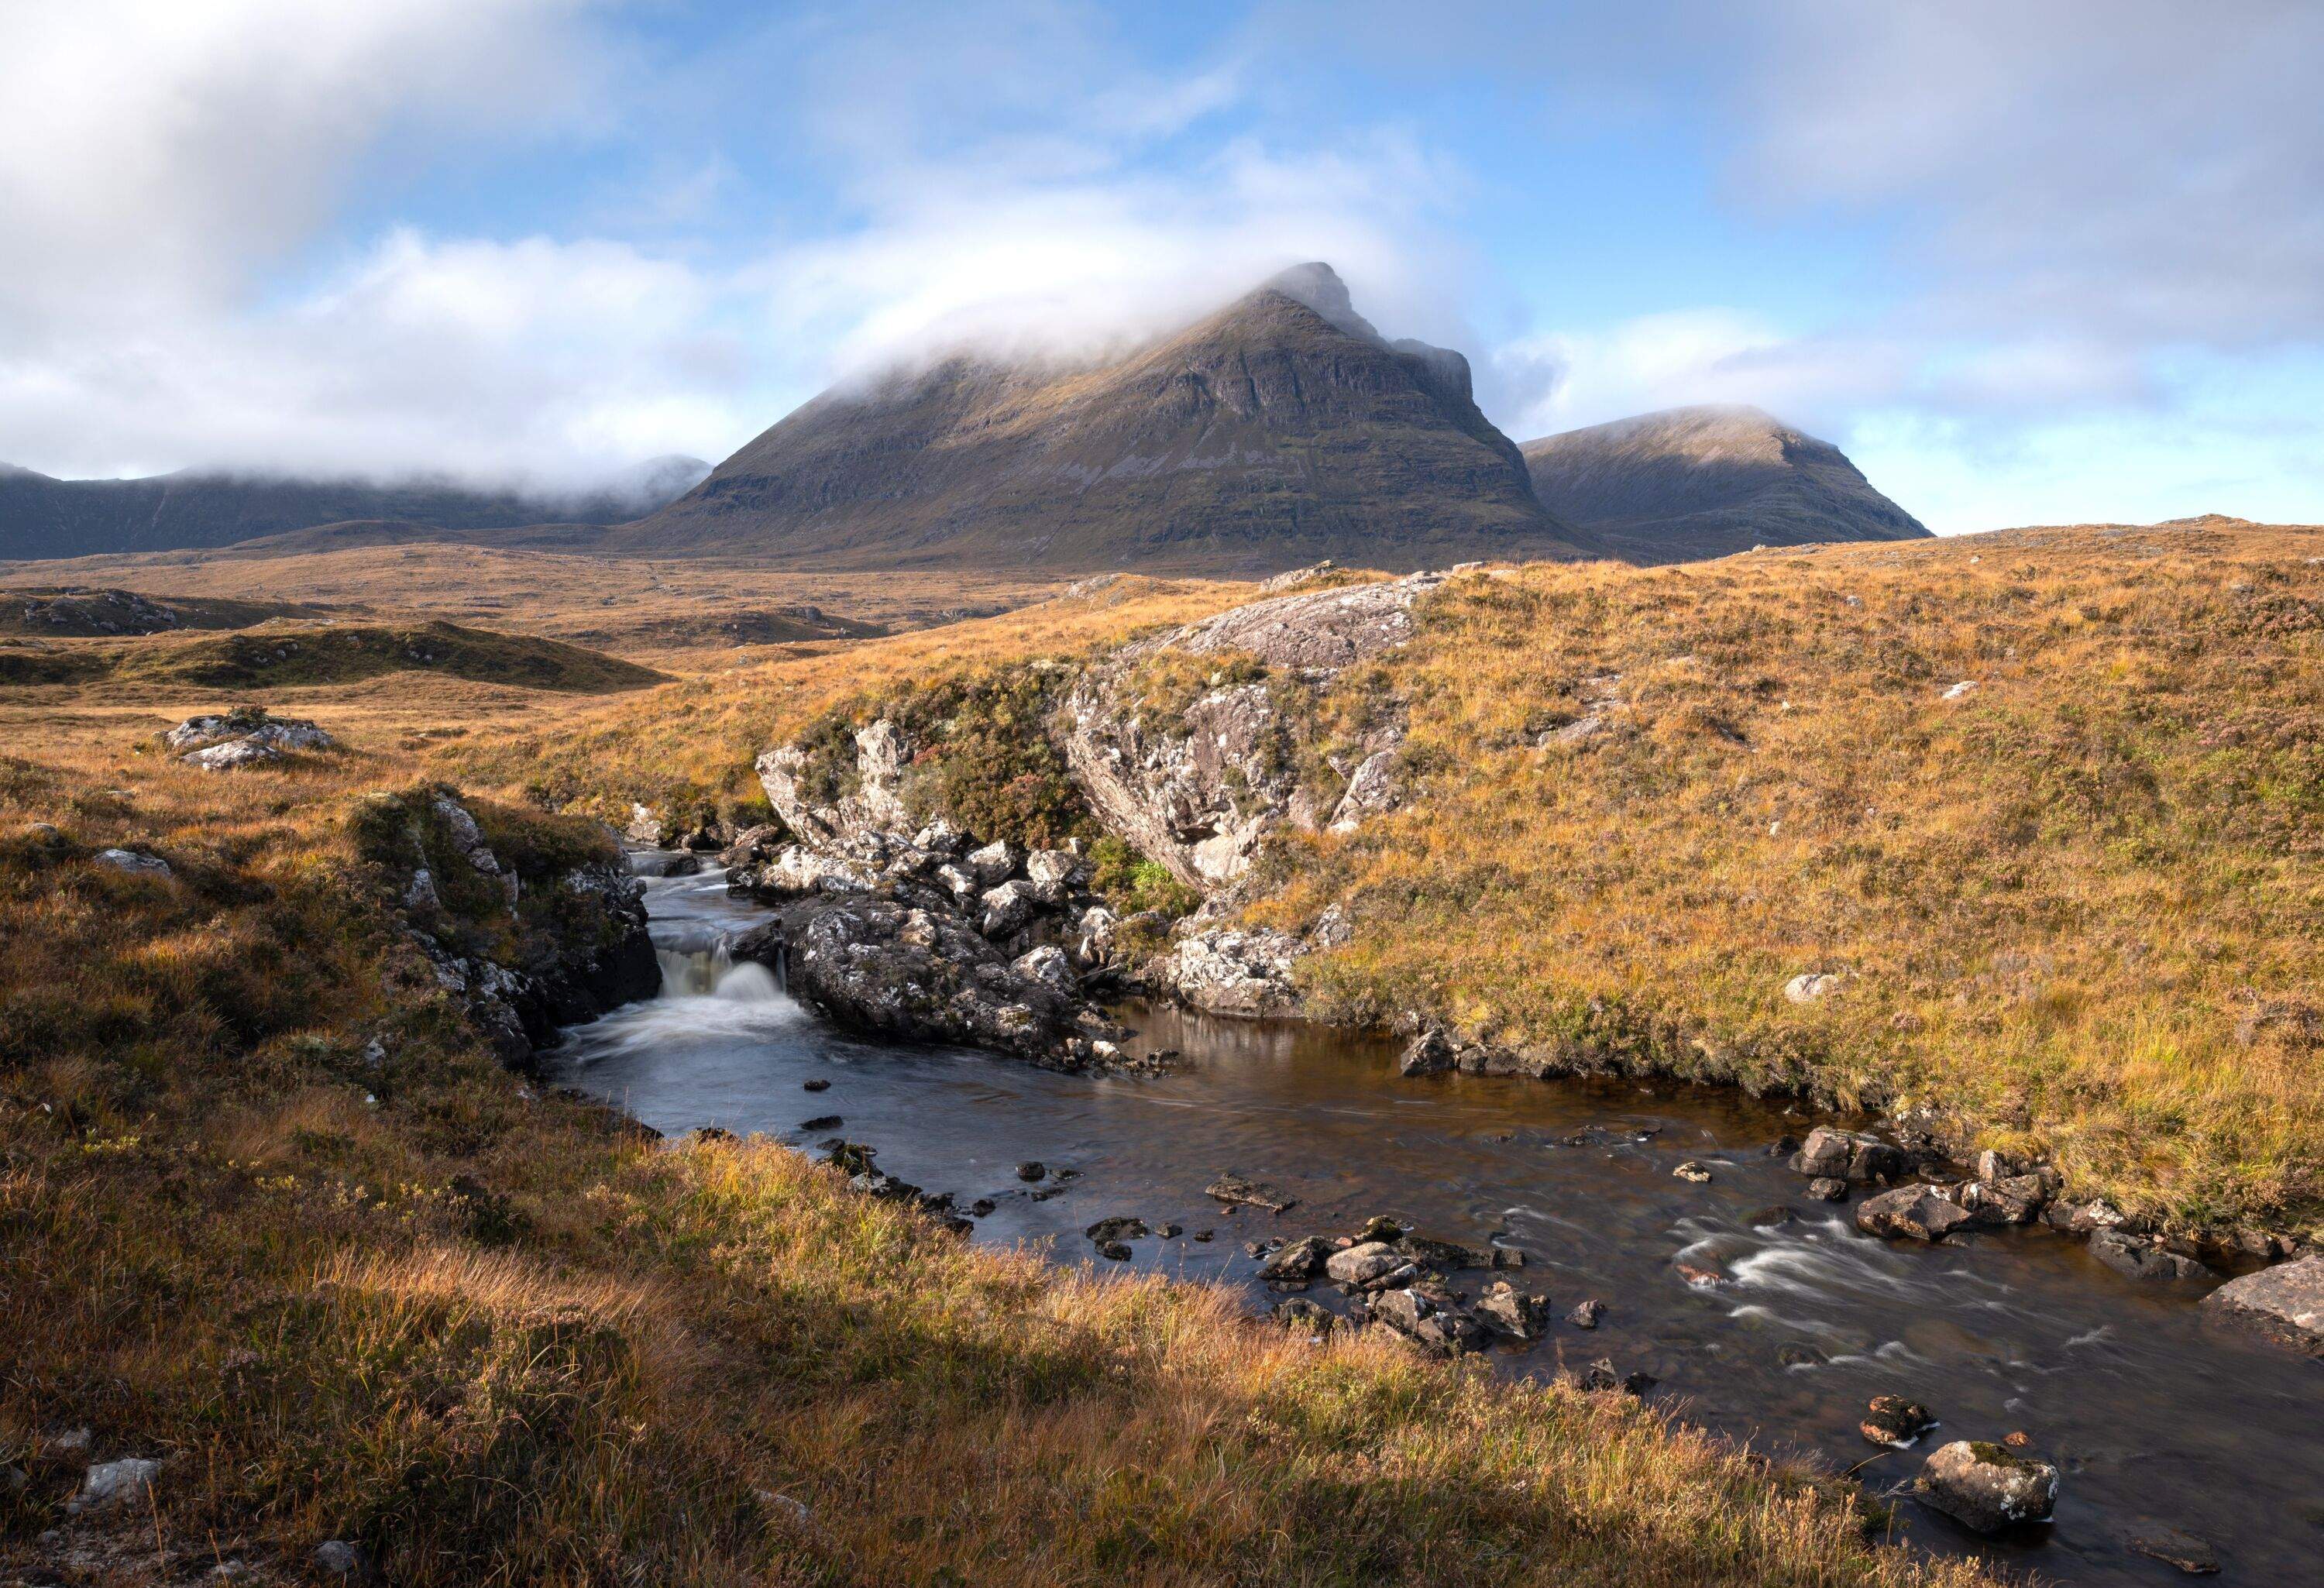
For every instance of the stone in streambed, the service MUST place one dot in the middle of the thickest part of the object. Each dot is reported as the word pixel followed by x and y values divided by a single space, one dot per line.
pixel 1915 1212
pixel 1299 1263
pixel 1846 1155
pixel 1030 1171
pixel 1691 1172
pixel 1586 1315
pixel 1827 1190
pixel 2174 1546
pixel 2135 1259
pixel 1121 1228
pixel 822 1121
pixel 1235 1189
pixel 1986 1488
pixel 1894 1421
pixel 1370 1266
pixel 2285 1303
pixel 814 1086
pixel 1505 1310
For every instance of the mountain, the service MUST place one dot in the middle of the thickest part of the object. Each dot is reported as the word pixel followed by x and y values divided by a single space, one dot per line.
pixel 1280 431
pixel 1704 482
pixel 41 517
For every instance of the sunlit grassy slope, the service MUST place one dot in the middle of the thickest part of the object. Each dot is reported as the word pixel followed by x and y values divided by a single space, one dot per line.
pixel 492 1336
pixel 2048 800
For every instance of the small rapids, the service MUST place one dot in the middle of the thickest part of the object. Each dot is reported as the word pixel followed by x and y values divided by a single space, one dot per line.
pixel 2149 1415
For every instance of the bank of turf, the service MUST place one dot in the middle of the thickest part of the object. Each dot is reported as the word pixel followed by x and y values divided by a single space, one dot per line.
pixel 401 1297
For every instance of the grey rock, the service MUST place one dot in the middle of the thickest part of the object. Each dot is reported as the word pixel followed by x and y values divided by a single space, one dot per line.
pixel 337 1557
pixel 2174 1546
pixel 1507 1311
pixel 1248 1192
pixel 1587 1315
pixel 2285 1302
pixel 1030 1171
pixel 1986 1488
pixel 1826 1189
pixel 1369 1267
pixel 1374 788
pixel 1047 964
pixel 1846 1155
pixel 1297 1312
pixel 993 864
pixel 2139 1259
pixel 112 1481
pixel 1428 1054
pixel 1228 970
pixel 131 862
pixel 1298 1263
pixel 1915 1212
pixel 1122 1227
pixel 1007 908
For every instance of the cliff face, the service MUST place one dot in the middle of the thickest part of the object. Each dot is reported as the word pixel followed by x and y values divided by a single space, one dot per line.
pixel 1279 432
pixel 1690 483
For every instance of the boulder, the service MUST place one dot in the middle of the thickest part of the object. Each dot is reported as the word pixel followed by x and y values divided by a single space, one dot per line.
pixel 1586 1315
pixel 1092 937
pixel 1005 910
pixel 1986 1488
pixel 798 870
pixel 2286 1303
pixel 112 1483
pixel 1122 1227
pixel 1032 1171
pixel 1428 1054
pixel 1199 788
pixel 1373 789
pixel 1369 1267
pixel 1428 1322
pixel 1227 970
pixel 1915 1212
pixel 1826 1189
pixel 1601 1375
pixel 878 965
pixel 2140 1259
pixel 131 862
pixel 1051 871
pixel 1507 1311
pixel 1297 1312
pixel 1692 1173
pixel 231 756
pixel 2009 1199
pixel 993 864
pixel 1894 1421
pixel 1300 1263
pixel 2174 1546
pixel 1846 1155
pixel 1047 964
pixel 1812 987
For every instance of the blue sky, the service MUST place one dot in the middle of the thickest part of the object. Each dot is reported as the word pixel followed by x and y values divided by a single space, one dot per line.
pixel 2024 264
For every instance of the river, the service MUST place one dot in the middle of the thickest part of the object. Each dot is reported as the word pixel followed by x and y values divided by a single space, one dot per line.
pixel 2150 1415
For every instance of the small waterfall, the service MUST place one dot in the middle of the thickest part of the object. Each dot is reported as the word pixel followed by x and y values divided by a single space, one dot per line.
pixel 714 973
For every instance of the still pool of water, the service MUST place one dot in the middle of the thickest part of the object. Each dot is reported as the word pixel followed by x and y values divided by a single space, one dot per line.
pixel 2150 1414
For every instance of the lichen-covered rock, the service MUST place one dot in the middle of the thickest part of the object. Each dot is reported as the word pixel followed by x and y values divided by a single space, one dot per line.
pixel 2286 1303
pixel 1374 788
pixel 884 965
pixel 993 864
pixel 1986 1488
pixel 1200 787
pixel 1232 970
pixel 1369 1265
pixel 268 736
pixel 1006 909
pixel 1047 965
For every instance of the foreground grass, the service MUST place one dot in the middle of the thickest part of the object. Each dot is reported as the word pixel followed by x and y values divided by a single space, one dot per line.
pixel 492 1336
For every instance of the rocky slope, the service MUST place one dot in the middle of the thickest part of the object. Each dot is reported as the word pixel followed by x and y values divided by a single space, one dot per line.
pixel 42 517
pixel 1690 483
pixel 1282 429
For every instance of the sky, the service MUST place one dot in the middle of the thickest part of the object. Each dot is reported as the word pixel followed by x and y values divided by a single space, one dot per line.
pixel 2023 262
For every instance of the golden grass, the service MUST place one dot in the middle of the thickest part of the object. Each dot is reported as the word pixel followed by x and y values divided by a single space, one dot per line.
pixel 232 1241
pixel 2077 906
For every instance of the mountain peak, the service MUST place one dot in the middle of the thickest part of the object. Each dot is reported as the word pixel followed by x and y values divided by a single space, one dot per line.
pixel 1707 481
pixel 1319 286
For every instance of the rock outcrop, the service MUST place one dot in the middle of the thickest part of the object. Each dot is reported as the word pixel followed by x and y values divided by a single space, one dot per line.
pixel 1198 787
pixel 232 740
pixel 528 945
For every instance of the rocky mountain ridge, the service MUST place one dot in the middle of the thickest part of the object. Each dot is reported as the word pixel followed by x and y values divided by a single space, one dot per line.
pixel 1280 429
pixel 1688 483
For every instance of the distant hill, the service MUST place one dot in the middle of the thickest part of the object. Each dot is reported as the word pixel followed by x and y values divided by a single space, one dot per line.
pixel 41 517
pixel 286 655
pixel 82 612
pixel 1278 431
pixel 1705 482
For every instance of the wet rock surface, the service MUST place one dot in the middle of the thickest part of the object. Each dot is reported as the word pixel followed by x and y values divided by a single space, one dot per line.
pixel 1988 1488
pixel 2285 1303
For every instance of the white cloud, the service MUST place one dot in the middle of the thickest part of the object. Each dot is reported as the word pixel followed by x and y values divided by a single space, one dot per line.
pixel 154 152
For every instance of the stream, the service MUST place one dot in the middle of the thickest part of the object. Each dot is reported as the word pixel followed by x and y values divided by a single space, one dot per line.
pixel 2152 1417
